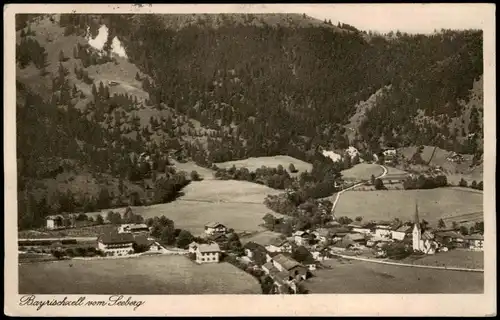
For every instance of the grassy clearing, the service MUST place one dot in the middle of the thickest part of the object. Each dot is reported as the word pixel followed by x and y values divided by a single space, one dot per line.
pixel 144 275
pixel 227 190
pixel 365 277
pixel 362 171
pixel 237 204
pixel 433 204
pixel 192 215
pixel 454 258
pixel 264 238
pixel 254 163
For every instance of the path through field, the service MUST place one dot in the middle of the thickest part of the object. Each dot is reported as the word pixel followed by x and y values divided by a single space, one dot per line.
pixel 337 197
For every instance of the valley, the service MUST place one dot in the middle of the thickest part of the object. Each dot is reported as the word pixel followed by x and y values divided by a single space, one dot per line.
pixel 156 122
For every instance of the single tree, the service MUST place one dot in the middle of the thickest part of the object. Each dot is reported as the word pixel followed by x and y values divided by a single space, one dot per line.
pixel 359 218
pixel 462 183
pixel 99 219
pixel 292 168
pixel 441 224
pixel 379 184
pixel 195 176
pixel 184 239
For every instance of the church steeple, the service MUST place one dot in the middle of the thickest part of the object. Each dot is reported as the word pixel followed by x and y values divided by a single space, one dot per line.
pixel 417 219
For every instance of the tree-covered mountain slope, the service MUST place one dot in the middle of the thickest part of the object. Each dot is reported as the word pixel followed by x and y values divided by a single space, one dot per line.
pixel 97 91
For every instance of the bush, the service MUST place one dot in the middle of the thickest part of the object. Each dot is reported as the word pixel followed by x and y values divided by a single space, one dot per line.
pixel 195 176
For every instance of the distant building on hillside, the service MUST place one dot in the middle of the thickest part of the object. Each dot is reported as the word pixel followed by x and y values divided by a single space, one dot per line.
pixel 60 221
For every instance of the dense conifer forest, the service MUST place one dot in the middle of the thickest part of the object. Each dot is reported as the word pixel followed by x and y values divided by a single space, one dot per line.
pixel 256 86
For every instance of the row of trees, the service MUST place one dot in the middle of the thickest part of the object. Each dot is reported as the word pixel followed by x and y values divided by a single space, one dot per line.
pixel 474 184
pixel 276 178
pixel 425 182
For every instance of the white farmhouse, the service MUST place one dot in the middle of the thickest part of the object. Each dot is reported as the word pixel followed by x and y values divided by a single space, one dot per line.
pixel 215 227
pixel 208 253
pixel 116 243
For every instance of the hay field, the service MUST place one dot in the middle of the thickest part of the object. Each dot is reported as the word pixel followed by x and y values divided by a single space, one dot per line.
pixel 263 238
pixel 362 171
pixel 145 275
pixel 454 258
pixel 237 204
pixel 254 163
pixel 365 277
pixel 433 204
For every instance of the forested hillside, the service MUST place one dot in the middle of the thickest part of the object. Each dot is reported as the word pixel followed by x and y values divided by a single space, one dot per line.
pixel 218 88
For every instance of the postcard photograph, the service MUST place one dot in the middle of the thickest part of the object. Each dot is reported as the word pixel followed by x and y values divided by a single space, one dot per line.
pixel 249 153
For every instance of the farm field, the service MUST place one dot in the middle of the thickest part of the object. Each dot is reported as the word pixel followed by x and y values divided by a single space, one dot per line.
pixel 144 275
pixel 254 163
pixel 362 171
pixel 453 258
pixel 237 204
pixel 433 204
pixel 365 277
pixel 263 238
pixel 227 191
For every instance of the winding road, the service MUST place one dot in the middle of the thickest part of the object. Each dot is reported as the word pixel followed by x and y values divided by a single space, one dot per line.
pixel 337 197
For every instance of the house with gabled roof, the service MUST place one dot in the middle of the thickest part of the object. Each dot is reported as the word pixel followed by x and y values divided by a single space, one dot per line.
pixel 215 227
pixel 279 245
pixel 208 253
pixel 255 252
pixel 401 233
pixel 294 268
pixel 475 241
pixel 115 243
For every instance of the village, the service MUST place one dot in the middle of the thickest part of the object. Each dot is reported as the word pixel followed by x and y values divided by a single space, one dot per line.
pixel 283 264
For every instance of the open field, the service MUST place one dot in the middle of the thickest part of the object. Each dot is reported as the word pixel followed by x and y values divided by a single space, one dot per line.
pixel 237 204
pixel 433 204
pixel 227 191
pixel 254 163
pixel 264 238
pixel 365 277
pixel 454 171
pixel 453 258
pixel 144 275
pixel 362 171
pixel 193 215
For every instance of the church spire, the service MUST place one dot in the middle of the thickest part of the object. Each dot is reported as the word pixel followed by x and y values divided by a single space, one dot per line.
pixel 417 219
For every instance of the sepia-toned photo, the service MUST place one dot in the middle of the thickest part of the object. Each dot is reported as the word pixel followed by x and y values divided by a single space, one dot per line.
pixel 247 153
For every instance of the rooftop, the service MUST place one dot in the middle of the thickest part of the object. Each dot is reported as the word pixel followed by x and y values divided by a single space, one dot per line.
pixel 213 225
pixel 116 238
pixel 287 262
pixel 277 242
pixel 476 236
pixel 254 246
pixel 213 247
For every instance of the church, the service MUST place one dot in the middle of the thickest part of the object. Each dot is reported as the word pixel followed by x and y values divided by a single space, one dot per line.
pixel 422 242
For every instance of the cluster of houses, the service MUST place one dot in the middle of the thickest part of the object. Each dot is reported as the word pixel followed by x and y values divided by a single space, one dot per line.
pixel 126 238
pixel 216 236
